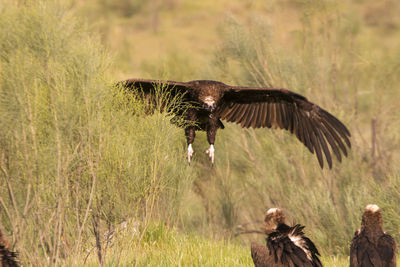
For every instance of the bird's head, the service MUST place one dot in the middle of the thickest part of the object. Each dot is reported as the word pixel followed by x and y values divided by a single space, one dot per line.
pixel 372 217
pixel 273 218
pixel 209 93
pixel 209 103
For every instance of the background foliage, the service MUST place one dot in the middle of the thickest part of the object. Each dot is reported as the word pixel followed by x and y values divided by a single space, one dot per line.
pixel 87 178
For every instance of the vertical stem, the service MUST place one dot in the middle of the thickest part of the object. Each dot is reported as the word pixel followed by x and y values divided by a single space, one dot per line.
pixel 373 144
pixel 60 205
pixel 96 232
pixel 373 138
pixel 92 162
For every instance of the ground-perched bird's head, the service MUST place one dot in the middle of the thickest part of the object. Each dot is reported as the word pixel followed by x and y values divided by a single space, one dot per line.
pixel 273 218
pixel 372 217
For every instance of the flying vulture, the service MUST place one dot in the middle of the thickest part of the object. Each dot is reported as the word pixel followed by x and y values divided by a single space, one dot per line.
pixel 7 258
pixel 371 246
pixel 213 101
pixel 286 245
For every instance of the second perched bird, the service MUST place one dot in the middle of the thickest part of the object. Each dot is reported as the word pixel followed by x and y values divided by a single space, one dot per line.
pixel 371 246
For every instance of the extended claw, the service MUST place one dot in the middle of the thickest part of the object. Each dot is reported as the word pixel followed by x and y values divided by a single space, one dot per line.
pixel 190 153
pixel 210 153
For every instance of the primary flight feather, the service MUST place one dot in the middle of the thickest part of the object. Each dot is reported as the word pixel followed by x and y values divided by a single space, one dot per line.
pixel 253 107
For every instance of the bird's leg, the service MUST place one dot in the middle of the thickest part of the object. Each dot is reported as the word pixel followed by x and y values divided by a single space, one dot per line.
pixel 211 133
pixel 210 153
pixel 190 134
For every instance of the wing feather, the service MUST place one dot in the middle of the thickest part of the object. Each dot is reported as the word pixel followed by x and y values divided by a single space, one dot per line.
pixel 345 132
pixel 301 128
pixel 255 123
pixel 316 128
pixel 285 252
pixel 250 116
pixel 289 117
pixel 285 117
pixel 282 116
pixel 242 113
pixel 337 138
pixel 260 115
pixel 264 114
pixel 148 85
pixel 308 134
pixel 147 89
pixel 269 116
pixel 232 112
pixel 238 113
pixel 324 146
pixel 317 148
pixel 332 143
pixel 296 130
pixel 246 116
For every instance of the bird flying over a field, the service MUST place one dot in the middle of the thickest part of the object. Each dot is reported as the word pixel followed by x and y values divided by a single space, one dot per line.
pixel 252 107
pixel 371 246
pixel 286 245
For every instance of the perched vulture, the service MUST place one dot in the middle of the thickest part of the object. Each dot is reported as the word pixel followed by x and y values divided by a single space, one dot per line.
pixel 371 246
pixel 254 107
pixel 286 245
pixel 7 257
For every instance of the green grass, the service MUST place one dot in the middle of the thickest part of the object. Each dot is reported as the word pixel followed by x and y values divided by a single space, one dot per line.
pixel 161 246
pixel 78 158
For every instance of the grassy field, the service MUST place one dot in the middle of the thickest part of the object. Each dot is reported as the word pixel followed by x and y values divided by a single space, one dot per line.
pixel 86 178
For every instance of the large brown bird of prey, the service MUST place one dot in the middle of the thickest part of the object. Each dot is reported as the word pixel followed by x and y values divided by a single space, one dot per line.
pixel 286 245
pixel 7 258
pixel 253 107
pixel 371 246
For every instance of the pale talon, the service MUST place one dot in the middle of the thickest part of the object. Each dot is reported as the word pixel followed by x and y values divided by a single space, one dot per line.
pixel 210 153
pixel 190 153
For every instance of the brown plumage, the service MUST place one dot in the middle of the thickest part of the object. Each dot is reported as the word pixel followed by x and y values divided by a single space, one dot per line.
pixel 254 107
pixel 286 245
pixel 7 257
pixel 260 255
pixel 371 246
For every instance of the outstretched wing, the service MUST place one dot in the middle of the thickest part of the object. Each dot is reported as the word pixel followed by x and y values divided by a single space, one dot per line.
pixel 281 108
pixel 147 85
pixel 159 92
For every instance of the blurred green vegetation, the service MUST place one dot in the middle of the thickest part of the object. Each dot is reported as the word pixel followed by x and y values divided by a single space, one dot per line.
pixel 85 177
